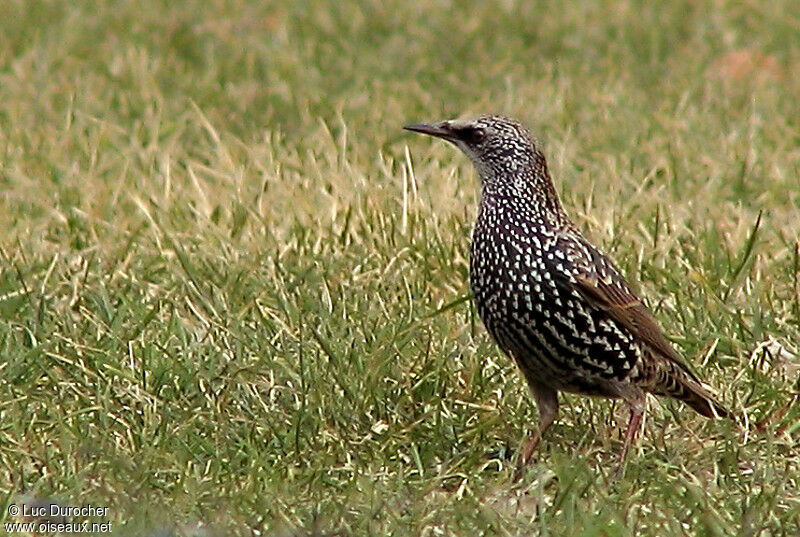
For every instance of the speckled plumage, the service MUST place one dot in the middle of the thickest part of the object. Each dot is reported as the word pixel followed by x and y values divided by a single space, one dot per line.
pixel 549 298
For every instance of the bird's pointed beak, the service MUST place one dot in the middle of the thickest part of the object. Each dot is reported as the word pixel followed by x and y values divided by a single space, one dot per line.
pixel 439 130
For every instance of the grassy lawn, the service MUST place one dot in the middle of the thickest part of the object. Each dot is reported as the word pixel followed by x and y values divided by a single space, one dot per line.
pixel 233 292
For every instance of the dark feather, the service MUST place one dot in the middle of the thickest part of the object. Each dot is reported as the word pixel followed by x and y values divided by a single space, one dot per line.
pixel 610 292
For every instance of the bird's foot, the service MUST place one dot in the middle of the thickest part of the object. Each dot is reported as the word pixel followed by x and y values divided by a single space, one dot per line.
pixel 525 455
pixel 619 471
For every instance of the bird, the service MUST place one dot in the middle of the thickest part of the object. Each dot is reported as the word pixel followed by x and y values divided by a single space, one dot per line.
pixel 549 298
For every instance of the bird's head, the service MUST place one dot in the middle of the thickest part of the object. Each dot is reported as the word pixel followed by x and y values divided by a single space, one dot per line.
pixel 496 145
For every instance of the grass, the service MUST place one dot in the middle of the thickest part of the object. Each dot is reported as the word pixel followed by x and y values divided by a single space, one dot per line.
pixel 233 290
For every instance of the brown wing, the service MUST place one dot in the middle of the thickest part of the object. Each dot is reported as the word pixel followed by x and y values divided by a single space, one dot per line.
pixel 610 293
pixel 627 310
pixel 621 305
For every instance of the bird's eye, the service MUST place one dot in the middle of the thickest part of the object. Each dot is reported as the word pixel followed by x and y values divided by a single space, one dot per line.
pixel 472 135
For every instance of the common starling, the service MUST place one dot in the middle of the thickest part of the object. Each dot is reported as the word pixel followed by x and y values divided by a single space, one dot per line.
pixel 549 298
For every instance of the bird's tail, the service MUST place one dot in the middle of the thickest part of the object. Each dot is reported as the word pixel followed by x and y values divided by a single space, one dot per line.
pixel 676 381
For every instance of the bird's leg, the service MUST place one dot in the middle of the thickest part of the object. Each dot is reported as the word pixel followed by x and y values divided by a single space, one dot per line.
pixel 526 452
pixel 547 402
pixel 634 425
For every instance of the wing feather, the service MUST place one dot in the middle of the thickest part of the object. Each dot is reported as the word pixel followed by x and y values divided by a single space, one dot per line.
pixel 610 293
